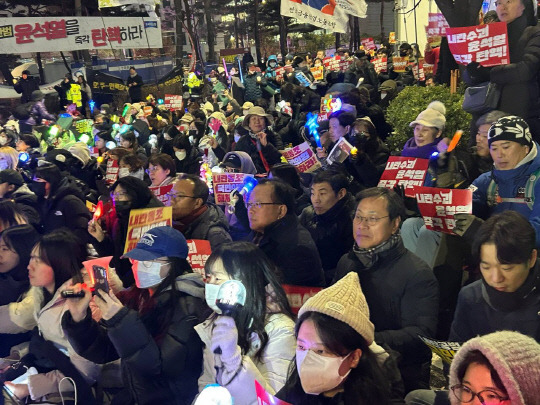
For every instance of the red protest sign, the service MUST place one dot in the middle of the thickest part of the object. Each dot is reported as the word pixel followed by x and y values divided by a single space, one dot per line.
pixel 381 64
pixel 437 25
pixel 428 69
pixel 199 251
pixel 161 193
pixel 408 172
pixel 172 102
pixel 344 64
pixel 332 63
pixel 485 44
pixel 141 221
pixel 111 175
pixel 303 158
pixel 224 183
pixel 368 43
pixel 298 295
pixel 264 398
pixel 280 71
pixel 400 64
pixel 439 205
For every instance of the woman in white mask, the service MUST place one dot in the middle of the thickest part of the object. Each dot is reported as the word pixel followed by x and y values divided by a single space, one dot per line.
pixel 255 343
pixel 186 156
pixel 337 361
pixel 150 326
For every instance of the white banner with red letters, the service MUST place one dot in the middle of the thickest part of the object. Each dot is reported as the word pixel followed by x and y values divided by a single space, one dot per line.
pixel 322 14
pixel 380 64
pixel 486 44
pixel 50 34
pixel 173 102
pixel 303 158
pixel 439 205
pixel 408 172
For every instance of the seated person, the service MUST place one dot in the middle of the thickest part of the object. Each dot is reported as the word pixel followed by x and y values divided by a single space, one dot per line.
pixel 329 219
pixel 278 233
pixel 194 215
pixel 400 288
pixel 161 169
pixel 13 188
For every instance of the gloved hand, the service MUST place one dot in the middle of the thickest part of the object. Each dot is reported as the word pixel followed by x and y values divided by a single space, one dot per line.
pixel 411 205
pixel 466 226
pixel 225 338
pixel 477 72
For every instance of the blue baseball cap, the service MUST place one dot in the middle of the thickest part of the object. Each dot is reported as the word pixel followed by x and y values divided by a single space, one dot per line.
pixel 161 241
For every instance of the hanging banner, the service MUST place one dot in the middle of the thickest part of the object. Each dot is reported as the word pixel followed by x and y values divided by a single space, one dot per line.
pixel 224 183
pixel 117 3
pixel 380 64
pixel 357 8
pixel 322 15
pixel 486 44
pixel 173 102
pixel 199 251
pixel 439 205
pixel 303 158
pixel 408 172
pixel 107 84
pixel 141 221
pixel 162 193
pixel 52 34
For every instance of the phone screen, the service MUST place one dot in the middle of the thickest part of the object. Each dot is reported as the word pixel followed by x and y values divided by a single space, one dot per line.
pixel 100 278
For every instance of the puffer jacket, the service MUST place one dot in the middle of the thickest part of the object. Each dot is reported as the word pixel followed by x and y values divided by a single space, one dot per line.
pixel 253 87
pixel 251 146
pixel 270 370
pixel 26 87
pixel 160 362
pixel 31 312
pixel 27 202
pixel 510 184
pixel 270 72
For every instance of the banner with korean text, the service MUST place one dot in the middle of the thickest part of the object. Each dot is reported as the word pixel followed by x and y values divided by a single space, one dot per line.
pixel 50 34
pixel 141 221
pixel 162 193
pixel 322 14
pixel 439 205
pixel 485 44
pixel 303 158
pixel 408 172
pixel 224 183
pixel 199 251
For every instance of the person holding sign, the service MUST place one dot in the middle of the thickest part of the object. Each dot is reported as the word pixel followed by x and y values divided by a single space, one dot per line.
pixel 337 360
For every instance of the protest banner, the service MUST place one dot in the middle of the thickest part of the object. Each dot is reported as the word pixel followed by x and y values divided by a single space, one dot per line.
pixel 53 34
pixel 172 102
pixel 439 205
pixel 400 64
pixel 298 295
pixel 368 43
pixel 280 71
pixel 317 72
pixel 148 110
pixel 224 183
pixel 445 350
pixel 380 64
pixel 323 15
pixel 303 158
pixel 111 174
pixel 344 64
pixel 437 25
pixel 162 193
pixel 408 172
pixel 332 63
pixel 199 251
pixel 142 220
pixel 428 69
pixel 392 38
pixel 486 44
pixel 418 69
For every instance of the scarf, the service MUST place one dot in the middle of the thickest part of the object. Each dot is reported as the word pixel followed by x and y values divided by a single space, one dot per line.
pixel 185 222
pixel 423 152
pixel 368 257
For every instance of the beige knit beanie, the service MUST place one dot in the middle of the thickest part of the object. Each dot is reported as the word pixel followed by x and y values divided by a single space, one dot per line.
pixel 514 356
pixel 345 302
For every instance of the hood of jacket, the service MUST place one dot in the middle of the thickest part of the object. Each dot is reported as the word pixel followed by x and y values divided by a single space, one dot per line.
pixel 23 194
pixel 271 57
pixel 66 187
pixel 246 163
pixel 192 284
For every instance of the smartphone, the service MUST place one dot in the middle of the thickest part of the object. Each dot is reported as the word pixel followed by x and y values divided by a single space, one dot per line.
pixel 100 278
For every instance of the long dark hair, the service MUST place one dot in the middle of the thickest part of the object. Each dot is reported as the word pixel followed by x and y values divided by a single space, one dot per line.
pixel 366 384
pixel 21 239
pixel 246 262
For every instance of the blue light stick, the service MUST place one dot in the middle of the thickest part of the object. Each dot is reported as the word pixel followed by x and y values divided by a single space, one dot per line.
pixel 248 186
pixel 313 127
pixel 240 71
pixel 91 104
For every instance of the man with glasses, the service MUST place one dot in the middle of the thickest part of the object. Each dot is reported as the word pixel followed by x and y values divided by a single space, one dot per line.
pixel 277 231
pixel 401 290
pixel 193 215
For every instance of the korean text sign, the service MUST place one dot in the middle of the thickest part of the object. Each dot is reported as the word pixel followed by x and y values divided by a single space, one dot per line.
pixel 199 251
pixel 49 34
pixel 303 158
pixel 380 64
pixel 437 25
pixel 408 172
pixel 111 175
pixel 445 350
pixel 141 221
pixel 173 102
pixel 162 193
pixel 224 183
pixel 485 44
pixel 439 205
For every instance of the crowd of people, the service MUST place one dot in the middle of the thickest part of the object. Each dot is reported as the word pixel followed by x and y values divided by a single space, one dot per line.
pixel 380 280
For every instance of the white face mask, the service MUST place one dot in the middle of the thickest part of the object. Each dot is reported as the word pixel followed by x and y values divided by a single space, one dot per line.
pixel 180 155
pixel 317 373
pixel 210 294
pixel 383 95
pixel 191 140
pixel 148 274
pixel 3 140
pixel 123 172
pixel 237 136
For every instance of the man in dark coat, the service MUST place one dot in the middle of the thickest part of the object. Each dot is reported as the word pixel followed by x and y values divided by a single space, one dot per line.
pixel 194 216
pixel 329 219
pixel 25 86
pixel 278 233
pixel 134 83
pixel 401 290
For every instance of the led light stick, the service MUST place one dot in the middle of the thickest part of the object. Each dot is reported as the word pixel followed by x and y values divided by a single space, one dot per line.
pixel 225 67
pixel 245 189
pixel 92 105
pixel 455 140
pixel 313 127
pixel 98 213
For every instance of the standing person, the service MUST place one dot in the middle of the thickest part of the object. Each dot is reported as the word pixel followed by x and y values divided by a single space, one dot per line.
pixel 25 86
pixel 86 93
pixel 255 344
pixel 134 83
pixel 253 82
pixel 149 327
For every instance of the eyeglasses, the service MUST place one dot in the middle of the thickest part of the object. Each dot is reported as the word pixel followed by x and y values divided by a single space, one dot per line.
pixel 486 397
pixel 152 169
pixel 258 205
pixel 173 196
pixel 370 220
pixel 115 196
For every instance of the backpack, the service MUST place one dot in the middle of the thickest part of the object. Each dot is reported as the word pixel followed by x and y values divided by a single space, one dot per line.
pixel 23 111
pixel 493 197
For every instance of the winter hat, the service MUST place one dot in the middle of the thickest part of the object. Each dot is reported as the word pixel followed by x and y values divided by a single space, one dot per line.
pixel 437 105
pixel 11 176
pixel 49 172
pixel 259 111
pixel 81 152
pixel 60 157
pixel 231 160
pixel 208 107
pixel 187 118
pixel 37 95
pixel 431 117
pixel 510 128
pixel 247 105
pixel 345 302
pixel 514 356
